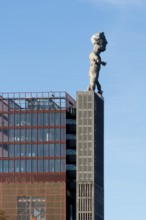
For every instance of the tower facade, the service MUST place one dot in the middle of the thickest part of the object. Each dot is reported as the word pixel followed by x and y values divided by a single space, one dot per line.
pixel 90 156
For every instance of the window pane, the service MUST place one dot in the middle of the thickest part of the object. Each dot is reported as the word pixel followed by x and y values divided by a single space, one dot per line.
pixel 40 150
pixel 4 120
pixel 52 166
pixel 31 207
pixel 11 150
pixel 28 119
pixel 40 119
pixel 17 165
pixel 34 119
pixel 28 147
pixel 51 149
pixel 34 134
pixel 70 167
pixel 28 165
pixel 46 119
pixel 40 134
pixel 63 134
pixel 11 135
pixel 71 152
pixel 1 151
pixel 63 167
pixel 46 135
pixel 57 165
pixel 5 166
pixel 57 149
pixel 51 134
pixel 0 165
pixel 11 165
pixel 57 134
pixel 40 166
pixel 51 118
pixel 46 165
pixel 34 150
pixel 46 150
pixel 63 150
pixel 17 119
pixel 17 150
pixel 28 134
pixel 5 150
pixel 22 120
pixel 22 162
pixel 23 137
pixel 23 151
pixel 57 118
pixel 34 165
pixel 11 119
pixel 17 135
pixel 62 119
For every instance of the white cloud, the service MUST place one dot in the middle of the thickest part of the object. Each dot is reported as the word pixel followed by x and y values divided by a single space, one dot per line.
pixel 118 2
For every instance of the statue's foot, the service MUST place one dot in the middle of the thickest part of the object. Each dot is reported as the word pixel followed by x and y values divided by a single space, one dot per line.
pixel 100 92
pixel 89 88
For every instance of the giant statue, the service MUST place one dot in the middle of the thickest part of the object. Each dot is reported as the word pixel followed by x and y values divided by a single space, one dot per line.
pixel 99 45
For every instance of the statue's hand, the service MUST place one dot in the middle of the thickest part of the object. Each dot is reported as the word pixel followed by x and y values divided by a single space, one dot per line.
pixel 103 63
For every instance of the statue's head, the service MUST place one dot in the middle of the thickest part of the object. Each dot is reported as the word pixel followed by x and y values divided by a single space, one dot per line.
pixel 100 40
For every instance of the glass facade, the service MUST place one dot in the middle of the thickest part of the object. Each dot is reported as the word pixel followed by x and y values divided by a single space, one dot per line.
pixel 33 207
pixel 32 133
pixel 33 145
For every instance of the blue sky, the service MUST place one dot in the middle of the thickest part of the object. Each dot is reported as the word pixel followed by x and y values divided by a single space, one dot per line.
pixel 44 46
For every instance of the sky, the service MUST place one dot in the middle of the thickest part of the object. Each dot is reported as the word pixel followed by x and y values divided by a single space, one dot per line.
pixel 45 46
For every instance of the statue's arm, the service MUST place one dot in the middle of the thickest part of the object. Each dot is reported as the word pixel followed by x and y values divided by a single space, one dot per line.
pixel 96 58
pixel 103 63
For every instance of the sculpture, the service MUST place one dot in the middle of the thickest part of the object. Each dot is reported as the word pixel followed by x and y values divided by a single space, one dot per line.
pixel 99 45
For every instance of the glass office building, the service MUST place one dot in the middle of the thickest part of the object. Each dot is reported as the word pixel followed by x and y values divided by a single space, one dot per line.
pixel 38 155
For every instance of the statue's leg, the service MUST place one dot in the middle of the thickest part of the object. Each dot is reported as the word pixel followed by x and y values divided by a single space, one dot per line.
pixel 98 87
pixel 91 86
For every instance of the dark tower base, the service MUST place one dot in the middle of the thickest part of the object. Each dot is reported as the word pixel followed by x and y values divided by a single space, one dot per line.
pixel 90 156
